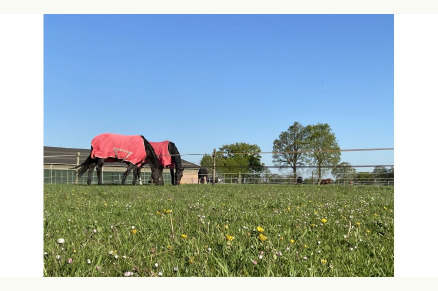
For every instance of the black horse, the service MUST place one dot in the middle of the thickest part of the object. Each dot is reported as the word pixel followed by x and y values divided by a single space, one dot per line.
pixel 168 157
pixel 113 151
pixel 202 175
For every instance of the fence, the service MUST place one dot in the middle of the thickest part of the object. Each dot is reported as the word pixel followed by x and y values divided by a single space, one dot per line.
pixel 66 176
pixel 255 178
pixel 61 175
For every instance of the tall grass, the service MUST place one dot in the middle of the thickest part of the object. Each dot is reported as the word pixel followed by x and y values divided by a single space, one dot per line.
pixel 225 230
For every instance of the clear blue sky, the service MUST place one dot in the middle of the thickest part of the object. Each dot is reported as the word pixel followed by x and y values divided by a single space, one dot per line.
pixel 203 81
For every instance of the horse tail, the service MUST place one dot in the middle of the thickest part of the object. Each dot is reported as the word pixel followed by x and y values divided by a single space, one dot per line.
pixel 84 166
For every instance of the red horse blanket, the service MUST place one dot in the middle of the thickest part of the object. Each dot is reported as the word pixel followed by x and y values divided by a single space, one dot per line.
pixel 128 148
pixel 162 152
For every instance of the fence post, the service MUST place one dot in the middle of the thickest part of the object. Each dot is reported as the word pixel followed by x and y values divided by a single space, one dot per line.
pixel 78 155
pixel 214 167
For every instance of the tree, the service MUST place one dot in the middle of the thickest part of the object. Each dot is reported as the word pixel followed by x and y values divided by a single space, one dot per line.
pixel 237 157
pixel 289 146
pixel 343 172
pixel 322 146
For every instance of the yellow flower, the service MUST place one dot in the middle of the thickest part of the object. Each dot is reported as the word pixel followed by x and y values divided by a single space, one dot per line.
pixel 133 231
pixel 292 241
pixel 226 226
pixel 262 237
pixel 368 231
pixel 323 220
pixel 158 212
pixel 358 223
pixel 323 261
pixel 184 236
pixel 229 237
pixel 260 229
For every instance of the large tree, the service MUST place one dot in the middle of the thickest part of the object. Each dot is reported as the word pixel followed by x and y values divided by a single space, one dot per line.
pixel 322 146
pixel 288 148
pixel 238 157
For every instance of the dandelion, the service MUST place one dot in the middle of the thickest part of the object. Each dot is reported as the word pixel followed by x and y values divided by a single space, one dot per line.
pixel 358 223
pixel 226 226
pixel 323 261
pixel 262 237
pixel 229 237
pixel 292 241
pixel 323 220
pixel 368 231
pixel 260 229
pixel 133 231
pixel 184 236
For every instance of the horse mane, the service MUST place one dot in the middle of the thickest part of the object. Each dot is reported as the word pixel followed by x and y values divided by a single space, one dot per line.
pixel 150 154
pixel 176 157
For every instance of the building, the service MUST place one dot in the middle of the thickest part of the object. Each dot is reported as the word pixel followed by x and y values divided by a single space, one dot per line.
pixel 58 164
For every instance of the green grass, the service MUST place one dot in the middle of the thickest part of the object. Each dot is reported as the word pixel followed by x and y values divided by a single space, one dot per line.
pixel 182 231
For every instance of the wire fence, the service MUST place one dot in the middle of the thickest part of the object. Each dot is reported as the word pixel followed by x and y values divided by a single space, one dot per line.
pixel 58 174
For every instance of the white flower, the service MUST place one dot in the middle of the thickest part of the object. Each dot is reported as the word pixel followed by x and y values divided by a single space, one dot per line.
pixel 60 240
pixel 128 274
pixel 160 274
pixel 58 257
pixel 132 227
pixel 175 269
pixel 156 265
pixel 88 261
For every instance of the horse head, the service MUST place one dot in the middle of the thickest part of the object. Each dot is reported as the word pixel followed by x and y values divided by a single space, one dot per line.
pixel 157 177
pixel 178 175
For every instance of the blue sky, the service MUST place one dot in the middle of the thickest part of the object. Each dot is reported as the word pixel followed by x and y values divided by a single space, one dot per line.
pixel 203 81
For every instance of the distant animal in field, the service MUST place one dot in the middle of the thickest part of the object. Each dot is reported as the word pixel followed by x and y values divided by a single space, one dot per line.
pixel 325 181
pixel 299 180
pixel 202 175
pixel 133 150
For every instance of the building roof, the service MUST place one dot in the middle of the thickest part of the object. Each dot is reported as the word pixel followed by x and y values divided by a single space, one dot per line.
pixel 68 156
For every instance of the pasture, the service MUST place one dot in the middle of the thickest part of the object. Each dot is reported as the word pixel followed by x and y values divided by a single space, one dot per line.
pixel 222 230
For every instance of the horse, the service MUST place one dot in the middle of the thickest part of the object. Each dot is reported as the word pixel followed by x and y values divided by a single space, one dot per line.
pixel 299 180
pixel 133 150
pixel 202 175
pixel 168 157
pixel 325 181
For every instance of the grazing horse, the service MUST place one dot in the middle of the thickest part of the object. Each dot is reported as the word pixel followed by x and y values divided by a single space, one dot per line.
pixel 299 180
pixel 202 175
pixel 168 157
pixel 325 181
pixel 133 150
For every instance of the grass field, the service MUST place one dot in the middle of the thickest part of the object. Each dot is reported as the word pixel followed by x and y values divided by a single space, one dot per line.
pixel 222 230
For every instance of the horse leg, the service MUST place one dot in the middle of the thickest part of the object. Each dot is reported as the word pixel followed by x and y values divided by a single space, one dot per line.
pixel 172 176
pixel 137 173
pixel 99 166
pixel 90 172
pixel 125 175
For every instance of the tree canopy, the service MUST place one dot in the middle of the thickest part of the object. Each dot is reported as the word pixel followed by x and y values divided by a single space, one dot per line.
pixel 289 146
pixel 238 157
